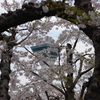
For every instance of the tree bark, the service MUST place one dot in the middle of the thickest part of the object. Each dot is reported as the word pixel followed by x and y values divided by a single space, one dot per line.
pixel 25 14
pixel 84 5
pixel 93 89
pixel 5 66
pixel 69 93
pixel 5 71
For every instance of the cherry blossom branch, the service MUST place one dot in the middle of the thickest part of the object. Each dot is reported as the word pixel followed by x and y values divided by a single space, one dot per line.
pixel 23 39
pixel 30 12
pixel 78 76
pixel 79 58
pixel 80 73
pixel 25 14
pixel 44 80
pixel 48 83
pixel 7 4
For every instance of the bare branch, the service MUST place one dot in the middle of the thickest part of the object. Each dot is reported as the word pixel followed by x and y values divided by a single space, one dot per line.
pixel 80 69
pixel 75 44
pixel 81 56
pixel 47 95
pixel 82 91
pixel 86 71
pixel 22 29
pixel 63 86
pixel 78 76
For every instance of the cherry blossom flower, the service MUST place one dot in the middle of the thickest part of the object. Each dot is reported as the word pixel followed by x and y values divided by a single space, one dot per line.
pixel 45 9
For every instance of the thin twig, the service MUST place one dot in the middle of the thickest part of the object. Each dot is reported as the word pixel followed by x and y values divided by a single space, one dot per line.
pixel 82 91
pixel 47 95
pixel 86 71
pixel 81 56
pixel 63 86
pixel 75 44
pixel 23 39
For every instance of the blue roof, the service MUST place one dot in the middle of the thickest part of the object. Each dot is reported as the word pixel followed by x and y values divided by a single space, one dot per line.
pixel 38 48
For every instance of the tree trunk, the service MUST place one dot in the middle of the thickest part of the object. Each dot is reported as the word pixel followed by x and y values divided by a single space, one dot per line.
pixel 5 70
pixel 93 89
pixel 69 94
pixel 4 79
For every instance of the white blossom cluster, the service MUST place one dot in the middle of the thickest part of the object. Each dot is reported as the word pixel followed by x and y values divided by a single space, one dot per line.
pixel 45 9
pixel 96 3
pixel 95 18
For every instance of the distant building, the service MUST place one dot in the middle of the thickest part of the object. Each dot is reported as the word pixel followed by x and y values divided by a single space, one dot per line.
pixel 38 48
pixel 52 55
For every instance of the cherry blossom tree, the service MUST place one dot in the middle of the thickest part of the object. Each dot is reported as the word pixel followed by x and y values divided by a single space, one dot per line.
pixel 57 81
pixel 56 78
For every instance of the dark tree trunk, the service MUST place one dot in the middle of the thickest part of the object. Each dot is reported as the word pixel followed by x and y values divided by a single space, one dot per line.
pixel 4 78
pixel 84 5
pixel 69 93
pixel 5 67
pixel 93 88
